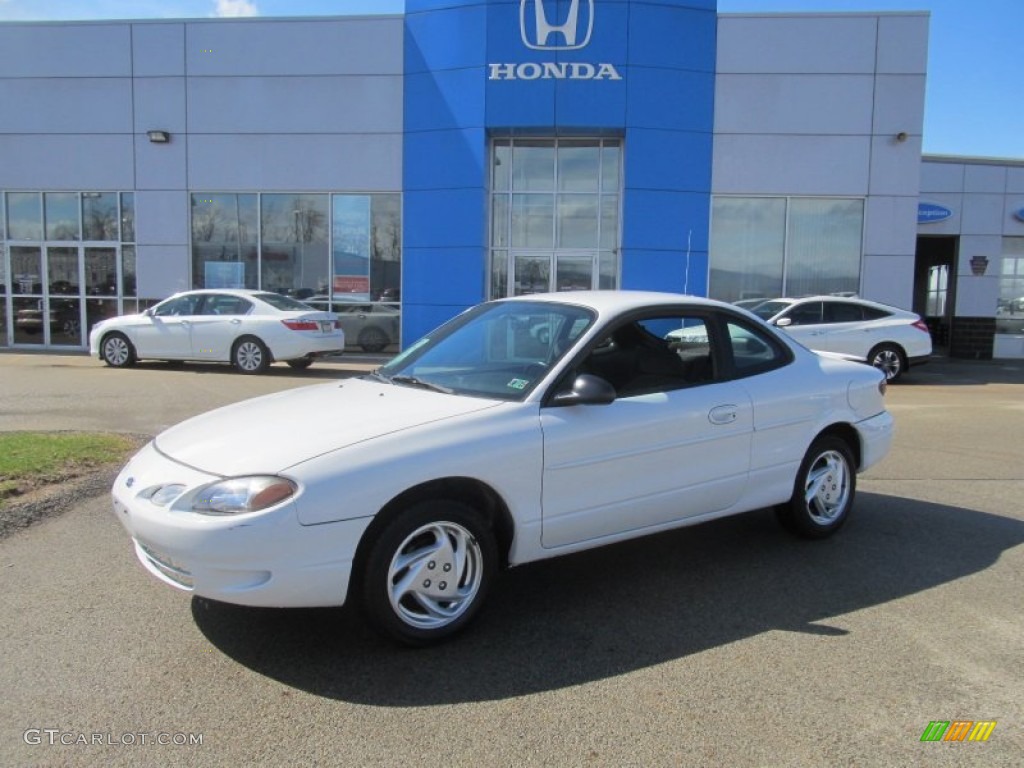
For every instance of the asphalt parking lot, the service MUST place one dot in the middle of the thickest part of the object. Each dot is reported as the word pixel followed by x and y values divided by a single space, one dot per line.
pixel 729 644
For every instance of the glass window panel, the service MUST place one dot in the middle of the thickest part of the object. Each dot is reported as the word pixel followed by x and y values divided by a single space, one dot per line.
pixel 824 246
pixel 224 230
pixel 352 244
pixel 610 222
pixel 62 221
pixel 499 274
pixel 608 271
pixel 24 216
pixel 65 321
pixel 294 257
pixel 1010 305
pixel 579 166
pixel 127 217
pixel 386 257
pixel 532 221
pixel 533 273
pixel 748 237
pixel 26 269
pixel 101 271
pixel 99 216
pixel 499 221
pixel 128 281
pixel 610 162
pixel 28 320
pixel 4 282
pixel 62 270
pixel 533 166
pixel 578 221
pixel 501 167
pixel 97 310
pixel 574 272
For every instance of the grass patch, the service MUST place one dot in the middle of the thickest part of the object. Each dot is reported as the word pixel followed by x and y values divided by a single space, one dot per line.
pixel 30 460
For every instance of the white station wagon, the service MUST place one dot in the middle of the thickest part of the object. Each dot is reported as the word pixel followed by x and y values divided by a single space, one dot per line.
pixel 522 429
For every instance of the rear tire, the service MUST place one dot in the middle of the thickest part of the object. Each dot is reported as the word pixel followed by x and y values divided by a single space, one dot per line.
pixel 889 359
pixel 301 364
pixel 250 355
pixel 373 339
pixel 428 572
pixel 823 492
pixel 117 351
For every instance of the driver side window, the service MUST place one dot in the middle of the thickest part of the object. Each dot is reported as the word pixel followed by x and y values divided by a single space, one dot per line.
pixel 182 305
pixel 656 354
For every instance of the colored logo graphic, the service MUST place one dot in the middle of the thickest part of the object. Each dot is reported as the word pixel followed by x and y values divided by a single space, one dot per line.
pixel 542 32
pixel 958 730
pixel 929 213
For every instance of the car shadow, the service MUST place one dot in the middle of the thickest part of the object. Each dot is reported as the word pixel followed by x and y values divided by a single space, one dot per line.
pixel 609 611
pixel 947 372
pixel 333 369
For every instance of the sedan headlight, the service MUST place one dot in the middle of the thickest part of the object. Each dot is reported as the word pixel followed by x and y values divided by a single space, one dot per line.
pixel 243 494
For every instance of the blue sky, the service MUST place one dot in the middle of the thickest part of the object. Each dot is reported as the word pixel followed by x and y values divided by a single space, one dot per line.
pixel 973 104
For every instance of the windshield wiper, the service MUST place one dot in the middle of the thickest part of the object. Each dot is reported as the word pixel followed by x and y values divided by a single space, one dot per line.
pixel 378 376
pixel 417 382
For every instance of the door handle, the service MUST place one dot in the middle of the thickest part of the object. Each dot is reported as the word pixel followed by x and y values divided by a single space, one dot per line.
pixel 723 414
pixel 236 321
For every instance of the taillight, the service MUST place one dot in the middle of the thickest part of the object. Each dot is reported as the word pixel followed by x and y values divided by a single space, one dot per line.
pixel 337 323
pixel 302 325
pixel 921 325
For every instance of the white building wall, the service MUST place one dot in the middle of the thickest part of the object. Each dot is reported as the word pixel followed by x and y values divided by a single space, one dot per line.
pixel 812 105
pixel 312 105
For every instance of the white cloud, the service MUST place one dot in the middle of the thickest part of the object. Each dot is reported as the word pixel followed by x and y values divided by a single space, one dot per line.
pixel 236 8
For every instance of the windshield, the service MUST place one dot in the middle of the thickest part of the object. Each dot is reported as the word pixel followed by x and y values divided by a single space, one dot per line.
pixel 769 309
pixel 499 350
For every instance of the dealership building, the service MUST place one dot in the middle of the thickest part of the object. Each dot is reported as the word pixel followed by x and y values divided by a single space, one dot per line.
pixel 475 149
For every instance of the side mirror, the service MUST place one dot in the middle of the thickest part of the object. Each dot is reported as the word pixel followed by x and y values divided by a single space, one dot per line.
pixel 148 312
pixel 587 389
pixel 783 322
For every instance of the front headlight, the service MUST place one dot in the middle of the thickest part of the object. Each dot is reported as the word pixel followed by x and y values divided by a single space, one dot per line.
pixel 242 494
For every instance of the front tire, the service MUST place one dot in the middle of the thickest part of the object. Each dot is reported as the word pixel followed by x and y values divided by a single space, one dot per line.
pixel 823 492
pixel 117 351
pixel 428 572
pixel 889 359
pixel 250 355
pixel 373 339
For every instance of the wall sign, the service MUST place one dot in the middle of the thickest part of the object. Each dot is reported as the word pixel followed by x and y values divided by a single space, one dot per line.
pixel 541 28
pixel 930 213
pixel 1019 214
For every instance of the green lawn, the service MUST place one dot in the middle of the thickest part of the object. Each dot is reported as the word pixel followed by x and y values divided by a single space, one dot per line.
pixel 29 460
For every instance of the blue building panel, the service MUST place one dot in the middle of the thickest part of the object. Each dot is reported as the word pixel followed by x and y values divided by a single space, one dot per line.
pixel 668 160
pixel 445 100
pixel 643 70
pixel 665 221
pixel 672 36
pixel 435 42
pixel 685 272
pixel 670 98
pixel 463 152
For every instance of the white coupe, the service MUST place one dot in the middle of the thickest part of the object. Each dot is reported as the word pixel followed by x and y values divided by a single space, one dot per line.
pixel 486 445
pixel 250 329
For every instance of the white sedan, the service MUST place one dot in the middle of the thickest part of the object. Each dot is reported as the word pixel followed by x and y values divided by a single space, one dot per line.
pixel 486 445
pixel 888 338
pixel 250 329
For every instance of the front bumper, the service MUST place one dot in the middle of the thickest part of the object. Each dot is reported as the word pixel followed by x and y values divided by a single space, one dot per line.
pixel 260 559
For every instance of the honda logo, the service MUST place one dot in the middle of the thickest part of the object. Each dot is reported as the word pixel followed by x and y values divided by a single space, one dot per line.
pixel 542 30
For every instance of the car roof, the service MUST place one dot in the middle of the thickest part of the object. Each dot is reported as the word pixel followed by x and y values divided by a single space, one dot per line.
pixel 613 302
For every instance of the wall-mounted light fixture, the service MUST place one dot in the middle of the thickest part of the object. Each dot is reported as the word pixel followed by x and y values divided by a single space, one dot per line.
pixel 158 137
pixel 901 136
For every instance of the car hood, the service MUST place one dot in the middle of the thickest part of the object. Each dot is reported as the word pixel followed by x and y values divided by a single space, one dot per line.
pixel 272 433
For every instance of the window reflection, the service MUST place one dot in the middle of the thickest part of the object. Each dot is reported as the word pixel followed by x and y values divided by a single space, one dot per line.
pixel 1010 307
pixel 24 216
pixel 763 247
pixel 62 222
pixel 99 216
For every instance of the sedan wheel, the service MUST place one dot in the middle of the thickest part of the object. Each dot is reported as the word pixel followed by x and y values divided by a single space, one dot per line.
pixel 823 492
pixel 373 339
pixel 428 572
pixel 117 351
pixel 888 359
pixel 250 355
